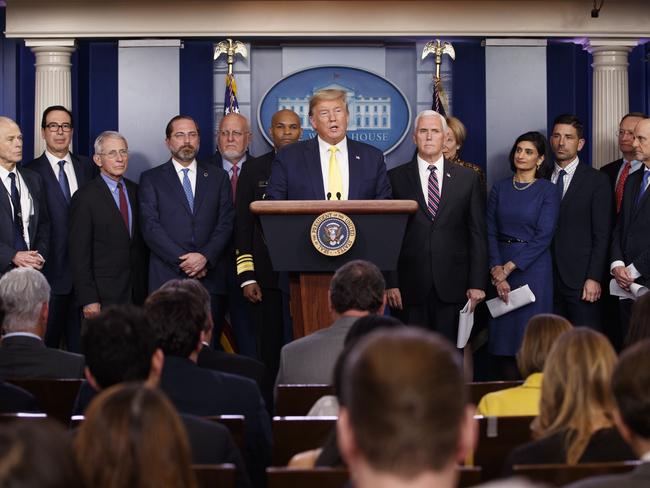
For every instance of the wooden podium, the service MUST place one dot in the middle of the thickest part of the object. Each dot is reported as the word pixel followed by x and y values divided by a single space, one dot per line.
pixel 380 226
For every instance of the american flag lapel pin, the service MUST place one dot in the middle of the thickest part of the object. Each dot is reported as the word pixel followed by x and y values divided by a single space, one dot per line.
pixel 205 174
pixel 357 157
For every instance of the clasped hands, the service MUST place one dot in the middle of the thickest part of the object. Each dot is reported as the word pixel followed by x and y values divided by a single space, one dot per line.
pixel 194 265
pixel 499 275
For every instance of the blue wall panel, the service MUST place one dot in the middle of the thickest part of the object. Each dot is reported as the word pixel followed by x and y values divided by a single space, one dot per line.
pixel 639 79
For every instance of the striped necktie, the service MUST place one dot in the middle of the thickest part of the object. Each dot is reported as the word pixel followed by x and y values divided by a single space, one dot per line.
pixel 433 192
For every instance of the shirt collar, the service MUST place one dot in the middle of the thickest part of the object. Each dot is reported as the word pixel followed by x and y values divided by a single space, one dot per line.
pixel 4 172
pixel 569 169
pixel 21 334
pixel 227 165
pixel 112 184
pixel 179 167
pixel 54 161
pixel 424 165
pixel 324 146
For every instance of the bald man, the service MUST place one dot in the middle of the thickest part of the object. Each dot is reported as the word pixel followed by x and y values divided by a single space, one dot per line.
pixel 24 222
pixel 255 275
pixel 630 251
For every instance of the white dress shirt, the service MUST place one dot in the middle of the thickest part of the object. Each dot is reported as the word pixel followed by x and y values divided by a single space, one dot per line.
pixel 191 174
pixel 68 168
pixel 423 169
pixel 26 206
pixel 570 171
pixel 341 159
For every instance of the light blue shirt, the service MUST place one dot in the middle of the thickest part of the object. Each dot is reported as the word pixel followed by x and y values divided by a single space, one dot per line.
pixel 227 166
pixel 112 186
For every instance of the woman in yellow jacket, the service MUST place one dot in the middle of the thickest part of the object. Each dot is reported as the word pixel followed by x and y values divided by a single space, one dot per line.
pixel 541 332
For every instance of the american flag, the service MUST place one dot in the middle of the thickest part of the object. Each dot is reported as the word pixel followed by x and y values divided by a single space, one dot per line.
pixel 440 103
pixel 230 104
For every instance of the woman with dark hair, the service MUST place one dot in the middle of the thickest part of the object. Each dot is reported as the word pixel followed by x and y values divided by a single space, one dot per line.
pixel 639 321
pixel 521 216
pixel 132 437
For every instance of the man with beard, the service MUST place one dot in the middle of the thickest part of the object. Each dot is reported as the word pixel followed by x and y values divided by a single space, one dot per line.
pixel 187 213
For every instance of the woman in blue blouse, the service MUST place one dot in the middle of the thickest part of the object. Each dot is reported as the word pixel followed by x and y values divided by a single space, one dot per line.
pixel 521 216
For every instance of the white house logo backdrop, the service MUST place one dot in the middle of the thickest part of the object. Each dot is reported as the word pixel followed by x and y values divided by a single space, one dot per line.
pixel 379 112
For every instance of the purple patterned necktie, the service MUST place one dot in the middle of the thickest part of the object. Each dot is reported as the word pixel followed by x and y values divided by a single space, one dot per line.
pixel 433 192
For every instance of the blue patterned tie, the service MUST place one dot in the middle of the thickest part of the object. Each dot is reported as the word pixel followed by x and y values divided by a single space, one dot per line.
pixel 187 187
pixel 433 191
pixel 63 182
pixel 644 185
pixel 560 182
pixel 19 230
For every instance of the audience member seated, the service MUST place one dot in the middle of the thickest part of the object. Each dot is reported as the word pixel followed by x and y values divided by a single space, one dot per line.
pixel 329 455
pixel 177 318
pixel 631 387
pixel 120 346
pixel 541 332
pixel 356 290
pixel 25 294
pixel 132 437
pixel 219 360
pixel 404 420
pixel 575 422
pixel 37 455
pixel 639 328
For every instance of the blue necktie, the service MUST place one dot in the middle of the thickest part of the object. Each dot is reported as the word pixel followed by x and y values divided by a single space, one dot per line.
pixel 644 185
pixel 63 182
pixel 560 182
pixel 19 235
pixel 187 187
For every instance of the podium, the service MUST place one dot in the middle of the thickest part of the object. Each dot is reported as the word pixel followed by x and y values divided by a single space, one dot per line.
pixel 287 226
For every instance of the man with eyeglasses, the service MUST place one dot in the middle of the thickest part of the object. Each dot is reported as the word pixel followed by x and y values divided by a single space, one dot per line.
pixel 619 170
pixel 24 222
pixel 62 173
pixel 108 258
pixel 187 214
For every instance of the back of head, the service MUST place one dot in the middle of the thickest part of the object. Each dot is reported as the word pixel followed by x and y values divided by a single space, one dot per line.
pixel 194 287
pixel 576 391
pixel 37 455
pixel 118 345
pixel 132 436
pixel 23 292
pixel 541 332
pixel 631 387
pixel 357 285
pixel 177 318
pixel 404 395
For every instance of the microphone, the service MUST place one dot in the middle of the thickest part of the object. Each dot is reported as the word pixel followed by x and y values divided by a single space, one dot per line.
pixel 338 195
pixel 329 195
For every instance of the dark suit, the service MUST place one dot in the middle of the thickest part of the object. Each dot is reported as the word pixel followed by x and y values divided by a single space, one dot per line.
pixel 108 265
pixel 296 173
pixel 611 170
pixel 171 229
pixel 28 357
pixel 39 222
pixel 254 262
pixel 580 245
pixel 197 391
pixel 638 478
pixel 440 259
pixel 631 236
pixel 14 399
pixel 64 317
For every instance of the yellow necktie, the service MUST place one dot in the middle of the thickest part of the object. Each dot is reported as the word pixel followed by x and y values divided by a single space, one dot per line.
pixel 334 180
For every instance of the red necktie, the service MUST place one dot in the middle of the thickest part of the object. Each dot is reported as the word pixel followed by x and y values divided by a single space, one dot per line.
pixel 233 181
pixel 124 207
pixel 620 185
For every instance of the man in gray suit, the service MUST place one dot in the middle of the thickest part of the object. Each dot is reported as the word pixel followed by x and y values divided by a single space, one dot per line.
pixel 631 387
pixel 356 290
pixel 25 295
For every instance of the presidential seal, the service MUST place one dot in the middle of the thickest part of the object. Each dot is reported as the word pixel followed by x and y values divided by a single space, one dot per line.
pixel 333 233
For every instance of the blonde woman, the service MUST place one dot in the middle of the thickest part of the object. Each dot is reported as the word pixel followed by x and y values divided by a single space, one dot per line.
pixel 541 333
pixel 575 422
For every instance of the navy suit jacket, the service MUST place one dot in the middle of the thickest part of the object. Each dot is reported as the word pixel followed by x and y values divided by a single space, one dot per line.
pixel 631 236
pixel 28 357
pixel 57 267
pixel 170 229
pixel 296 173
pixel 39 222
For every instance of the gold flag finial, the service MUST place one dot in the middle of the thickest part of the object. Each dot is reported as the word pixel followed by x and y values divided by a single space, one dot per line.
pixel 230 48
pixel 438 48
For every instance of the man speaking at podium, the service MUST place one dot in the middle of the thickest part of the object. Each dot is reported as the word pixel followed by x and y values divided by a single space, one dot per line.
pixel 330 166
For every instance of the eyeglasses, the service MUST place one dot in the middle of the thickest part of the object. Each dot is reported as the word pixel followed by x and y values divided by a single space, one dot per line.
pixel 623 133
pixel 183 135
pixel 114 153
pixel 234 133
pixel 54 127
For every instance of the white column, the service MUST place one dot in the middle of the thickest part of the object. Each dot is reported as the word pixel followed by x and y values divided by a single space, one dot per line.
pixel 610 95
pixel 53 80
